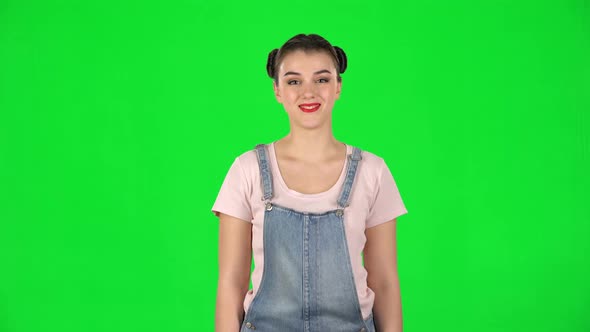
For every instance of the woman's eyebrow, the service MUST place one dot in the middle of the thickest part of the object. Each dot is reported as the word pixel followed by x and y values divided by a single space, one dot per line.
pixel 316 73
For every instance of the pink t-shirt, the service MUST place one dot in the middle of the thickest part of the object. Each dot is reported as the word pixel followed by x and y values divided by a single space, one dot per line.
pixel 374 199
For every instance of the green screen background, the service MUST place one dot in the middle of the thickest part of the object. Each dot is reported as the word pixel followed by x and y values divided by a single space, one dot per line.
pixel 120 119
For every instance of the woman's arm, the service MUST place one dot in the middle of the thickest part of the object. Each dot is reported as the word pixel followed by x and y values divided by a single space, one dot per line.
pixel 381 265
pixel 235 254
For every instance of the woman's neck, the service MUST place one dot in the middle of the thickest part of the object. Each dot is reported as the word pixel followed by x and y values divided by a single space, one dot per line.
pixel 312 146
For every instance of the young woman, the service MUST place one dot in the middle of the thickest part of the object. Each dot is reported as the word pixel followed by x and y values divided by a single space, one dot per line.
pixel 308 206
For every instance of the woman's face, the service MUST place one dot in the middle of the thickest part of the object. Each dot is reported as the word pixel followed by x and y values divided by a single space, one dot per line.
pixel 307 88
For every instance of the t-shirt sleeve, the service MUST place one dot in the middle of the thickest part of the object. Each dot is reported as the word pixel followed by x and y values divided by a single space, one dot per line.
pixel 233 197
pixel 388 203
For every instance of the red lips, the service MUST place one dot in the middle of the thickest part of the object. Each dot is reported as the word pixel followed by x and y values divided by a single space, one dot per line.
pixel 308 108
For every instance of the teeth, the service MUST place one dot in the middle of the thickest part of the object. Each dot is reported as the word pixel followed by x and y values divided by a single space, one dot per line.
pixel 310 107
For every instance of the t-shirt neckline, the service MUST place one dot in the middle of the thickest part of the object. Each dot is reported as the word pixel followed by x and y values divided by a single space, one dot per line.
pixel 277 175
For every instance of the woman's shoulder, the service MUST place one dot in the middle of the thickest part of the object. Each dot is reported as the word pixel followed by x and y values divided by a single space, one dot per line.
pixel 371 159
pixel 374 167
pixel 248 159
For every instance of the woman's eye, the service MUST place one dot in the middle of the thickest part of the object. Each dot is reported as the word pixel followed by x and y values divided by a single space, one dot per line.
pixel 323 80
pixel 292 82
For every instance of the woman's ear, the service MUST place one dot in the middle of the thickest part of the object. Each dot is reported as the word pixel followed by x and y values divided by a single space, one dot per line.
pixel 338 89
pixel 276 90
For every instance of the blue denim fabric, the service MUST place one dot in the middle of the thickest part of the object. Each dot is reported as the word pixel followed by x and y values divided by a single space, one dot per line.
pixel 307 282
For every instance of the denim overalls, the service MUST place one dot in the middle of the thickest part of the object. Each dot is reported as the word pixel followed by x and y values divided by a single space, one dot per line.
pixel 307 283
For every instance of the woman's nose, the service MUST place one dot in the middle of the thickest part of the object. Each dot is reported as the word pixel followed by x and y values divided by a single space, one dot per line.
pixel 308 89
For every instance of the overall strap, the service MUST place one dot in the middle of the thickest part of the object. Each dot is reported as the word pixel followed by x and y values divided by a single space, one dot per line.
pixel 353 160
pixel 265 172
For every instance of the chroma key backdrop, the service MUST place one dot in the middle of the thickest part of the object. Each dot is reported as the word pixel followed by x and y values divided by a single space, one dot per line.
pixel 119 120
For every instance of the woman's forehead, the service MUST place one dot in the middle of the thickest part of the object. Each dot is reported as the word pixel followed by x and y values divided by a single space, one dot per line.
pixel 307 62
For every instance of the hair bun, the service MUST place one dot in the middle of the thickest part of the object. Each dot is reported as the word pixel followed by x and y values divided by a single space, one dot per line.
pixel 341 59
pixel 270 63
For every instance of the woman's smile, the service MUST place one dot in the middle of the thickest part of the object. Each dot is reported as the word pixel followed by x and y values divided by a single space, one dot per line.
pixel 308 108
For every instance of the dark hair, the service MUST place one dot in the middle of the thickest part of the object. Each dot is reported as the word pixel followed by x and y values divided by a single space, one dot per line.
pixel 310 42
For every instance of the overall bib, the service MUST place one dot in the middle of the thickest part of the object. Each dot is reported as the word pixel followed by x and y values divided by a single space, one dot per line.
pixel 307 282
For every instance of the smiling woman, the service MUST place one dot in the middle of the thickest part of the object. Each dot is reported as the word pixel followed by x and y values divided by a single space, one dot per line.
pixel 308 206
